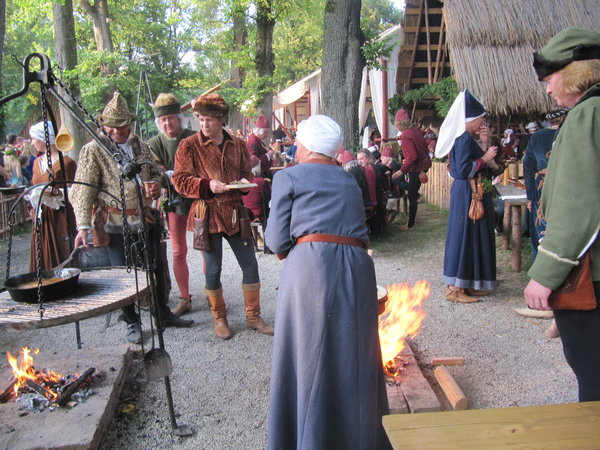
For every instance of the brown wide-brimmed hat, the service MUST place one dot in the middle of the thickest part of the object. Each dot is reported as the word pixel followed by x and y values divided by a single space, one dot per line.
pixel 116 113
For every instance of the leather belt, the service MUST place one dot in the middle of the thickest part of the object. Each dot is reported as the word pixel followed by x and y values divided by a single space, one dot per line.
pixel 332 238
pixel 128 212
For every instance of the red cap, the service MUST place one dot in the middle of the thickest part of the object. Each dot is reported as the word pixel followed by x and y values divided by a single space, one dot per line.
pixel 346 157
pixel 340 150
pixel 401 115
pixel 262 122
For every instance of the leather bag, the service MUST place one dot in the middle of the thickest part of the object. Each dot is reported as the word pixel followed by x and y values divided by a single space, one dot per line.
pixel 201 241
pixel 423 177
pixel 577 291
pixel 476 210
pixel 245 227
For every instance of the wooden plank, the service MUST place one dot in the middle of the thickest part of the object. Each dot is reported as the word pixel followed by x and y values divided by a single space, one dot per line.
pixel 418 393
pixel 447 361
pixel 396 401
pixel 420 47
pixel 428 40
pixel 417 29
pixel 414 52
pixel 572 425
pixel 415 11
pixel 419 65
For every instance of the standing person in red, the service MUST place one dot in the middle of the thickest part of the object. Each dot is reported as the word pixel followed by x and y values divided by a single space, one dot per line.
pixel 168 119
pixel 204 164
pixel 376 182
pixel 256 145
pixel 416 159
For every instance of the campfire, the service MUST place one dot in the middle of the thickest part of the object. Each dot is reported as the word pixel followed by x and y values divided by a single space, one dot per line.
pixel 36 390
pixel 401 319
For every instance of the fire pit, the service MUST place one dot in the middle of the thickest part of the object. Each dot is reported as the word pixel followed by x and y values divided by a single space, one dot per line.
pixel 80 425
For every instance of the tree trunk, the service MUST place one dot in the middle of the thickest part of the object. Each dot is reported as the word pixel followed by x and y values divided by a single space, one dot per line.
pixel 342 65
pixel 264 60
pixel 238 75
pixel 2 33
pixel 65 50
pixel 99 15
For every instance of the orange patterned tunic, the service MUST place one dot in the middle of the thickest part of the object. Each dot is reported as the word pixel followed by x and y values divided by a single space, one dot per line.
pixel 197 160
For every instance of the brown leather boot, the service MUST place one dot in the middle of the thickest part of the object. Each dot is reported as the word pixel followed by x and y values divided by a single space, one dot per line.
pixel 252 302
pixel 458 295
pixel 184 306
pixel 219 312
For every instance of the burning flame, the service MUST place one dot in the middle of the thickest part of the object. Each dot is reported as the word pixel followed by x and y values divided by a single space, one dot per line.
pixel 401 319
pixel 23 370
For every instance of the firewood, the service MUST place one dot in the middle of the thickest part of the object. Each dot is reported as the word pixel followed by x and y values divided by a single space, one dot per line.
pixel 6 393
pixel 72 388
pixel 447 361
pixel 451 389
pixel 39 389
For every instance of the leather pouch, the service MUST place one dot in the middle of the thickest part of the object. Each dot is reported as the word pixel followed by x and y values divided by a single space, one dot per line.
pixel 201 241
pixel 577 291
pixel 476 210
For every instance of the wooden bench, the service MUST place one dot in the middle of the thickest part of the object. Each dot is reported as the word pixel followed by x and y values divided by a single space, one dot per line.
pixel 573 425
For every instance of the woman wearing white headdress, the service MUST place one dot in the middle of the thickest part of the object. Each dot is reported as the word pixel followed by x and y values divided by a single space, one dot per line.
pixel 470 253
pixel 327 305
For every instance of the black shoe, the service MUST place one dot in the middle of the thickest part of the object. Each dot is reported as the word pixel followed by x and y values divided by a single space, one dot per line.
pixel 134 334
pixel 173 321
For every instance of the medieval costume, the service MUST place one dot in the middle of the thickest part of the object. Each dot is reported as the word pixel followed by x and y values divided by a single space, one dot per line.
pixel 97 210
pixel 470 252
pixel 327 305
pixel 570 197
pixel 257 147
pixel 55 234
pixel 204 159
pixel 164 147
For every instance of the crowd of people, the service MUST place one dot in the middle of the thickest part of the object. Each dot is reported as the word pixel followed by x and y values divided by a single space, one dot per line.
pixel 327 290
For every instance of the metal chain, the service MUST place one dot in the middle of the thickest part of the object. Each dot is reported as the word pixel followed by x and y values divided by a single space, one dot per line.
pixel 127 236
pixel 11 224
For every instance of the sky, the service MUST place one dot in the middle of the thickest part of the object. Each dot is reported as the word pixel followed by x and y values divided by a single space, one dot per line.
pixel 398 3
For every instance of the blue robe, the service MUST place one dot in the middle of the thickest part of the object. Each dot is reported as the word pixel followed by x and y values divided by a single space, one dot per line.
pixel 470 254
pixel 327 384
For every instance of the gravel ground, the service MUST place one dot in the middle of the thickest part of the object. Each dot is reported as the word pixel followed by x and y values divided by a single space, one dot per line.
pixel 221 388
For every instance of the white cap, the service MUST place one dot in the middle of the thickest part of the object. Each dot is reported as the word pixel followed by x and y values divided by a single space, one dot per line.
pixel 320 134
pixel 37 131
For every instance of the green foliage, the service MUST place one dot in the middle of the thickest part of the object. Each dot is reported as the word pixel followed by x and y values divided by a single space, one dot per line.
pixel 445 91
pixel 374 50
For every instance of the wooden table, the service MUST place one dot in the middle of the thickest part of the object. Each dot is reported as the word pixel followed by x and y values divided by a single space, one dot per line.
pixel 99 292
pixel 514 198
pixel 574 425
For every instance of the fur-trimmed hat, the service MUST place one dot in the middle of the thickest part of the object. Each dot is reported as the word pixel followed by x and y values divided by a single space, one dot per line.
pixel 571 44
pixel 212 105
pixel 116 113
pixel 166 104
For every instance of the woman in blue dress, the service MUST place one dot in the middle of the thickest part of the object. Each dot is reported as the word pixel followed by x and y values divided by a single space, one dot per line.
pixel 327 384
pixel 470 253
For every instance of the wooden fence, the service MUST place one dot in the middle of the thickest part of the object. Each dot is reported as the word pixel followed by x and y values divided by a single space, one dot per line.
pixel 437 190
pixel 6 202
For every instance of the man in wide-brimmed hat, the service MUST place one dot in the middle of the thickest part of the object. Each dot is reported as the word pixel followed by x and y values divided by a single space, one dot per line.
pixel 169 121
pixel 94 209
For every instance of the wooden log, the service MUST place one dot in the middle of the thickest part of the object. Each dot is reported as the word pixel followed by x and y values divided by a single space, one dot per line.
pixel 451 389
pixel 447 361
pixel 72 388
pixel 7 391
pixel 39 389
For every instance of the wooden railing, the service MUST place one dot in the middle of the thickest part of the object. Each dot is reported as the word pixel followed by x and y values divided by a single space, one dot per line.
pixel 437 190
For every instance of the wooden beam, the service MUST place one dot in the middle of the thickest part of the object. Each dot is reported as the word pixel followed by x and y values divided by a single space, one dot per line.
pixel 417 65
pixel 451 389
pixel 417 391
pixel 415 11
pixel 409 47
pixel 438 58
pixel 417 29
pixel 428 38
pixel 447 361
pixel 416 43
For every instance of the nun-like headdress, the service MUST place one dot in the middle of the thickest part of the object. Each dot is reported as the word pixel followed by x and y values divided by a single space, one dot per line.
pixel 465 108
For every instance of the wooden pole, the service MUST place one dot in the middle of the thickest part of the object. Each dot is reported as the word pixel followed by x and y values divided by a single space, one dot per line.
pixel 451 389
pixel 506 226
pixel 384 95
pixel 415 46
pixel 438 57
pixel 516 235
pixel 428 37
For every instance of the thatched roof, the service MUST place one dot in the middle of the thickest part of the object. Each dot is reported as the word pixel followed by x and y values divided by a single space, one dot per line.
pixel 491 45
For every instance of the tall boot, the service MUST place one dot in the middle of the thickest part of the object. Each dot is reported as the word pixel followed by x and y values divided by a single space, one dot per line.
pixel 252 302
pixel 219 312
